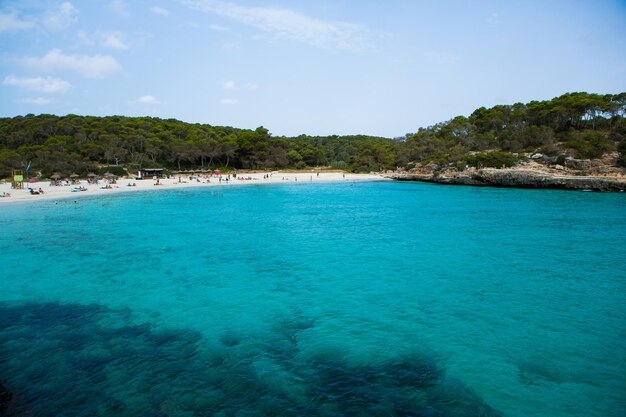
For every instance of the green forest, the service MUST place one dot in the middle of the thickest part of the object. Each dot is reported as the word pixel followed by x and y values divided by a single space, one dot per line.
pixel 579 125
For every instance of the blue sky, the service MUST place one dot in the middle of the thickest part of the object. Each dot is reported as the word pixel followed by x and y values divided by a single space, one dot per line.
pixel 304 67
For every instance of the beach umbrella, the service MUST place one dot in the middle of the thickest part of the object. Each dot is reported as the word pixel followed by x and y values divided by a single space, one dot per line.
pixel 91 175
pixel 109 174
pixel 74 176
pixel 56 176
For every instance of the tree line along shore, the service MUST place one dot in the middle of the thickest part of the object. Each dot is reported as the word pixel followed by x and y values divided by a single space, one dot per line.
pixel 578 133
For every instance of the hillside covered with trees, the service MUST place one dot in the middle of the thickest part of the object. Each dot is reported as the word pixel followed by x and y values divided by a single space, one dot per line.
pixel 574 125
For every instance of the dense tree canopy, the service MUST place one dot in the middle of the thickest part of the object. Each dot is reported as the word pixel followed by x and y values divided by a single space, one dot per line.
pixel 578 124
pixel 581 125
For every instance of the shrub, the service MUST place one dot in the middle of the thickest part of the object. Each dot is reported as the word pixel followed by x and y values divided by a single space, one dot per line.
pixel 588 144
pixel 339 164
pixel 113 169
pixel 492 160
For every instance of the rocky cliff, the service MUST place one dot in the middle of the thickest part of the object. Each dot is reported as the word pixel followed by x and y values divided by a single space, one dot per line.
pixel 517 177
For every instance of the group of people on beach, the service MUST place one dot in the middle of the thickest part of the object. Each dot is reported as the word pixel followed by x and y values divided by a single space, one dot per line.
pixel 110 183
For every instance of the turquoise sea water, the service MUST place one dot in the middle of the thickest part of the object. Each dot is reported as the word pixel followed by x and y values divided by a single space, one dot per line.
pixel 348 299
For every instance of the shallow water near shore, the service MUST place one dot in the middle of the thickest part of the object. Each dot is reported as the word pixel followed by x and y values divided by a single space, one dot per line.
pixel 337 299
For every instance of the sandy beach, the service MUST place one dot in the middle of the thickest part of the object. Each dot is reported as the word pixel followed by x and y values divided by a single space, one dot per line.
pixel 124 185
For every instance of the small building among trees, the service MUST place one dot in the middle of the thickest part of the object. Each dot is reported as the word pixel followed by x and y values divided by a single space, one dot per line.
pixel 149 173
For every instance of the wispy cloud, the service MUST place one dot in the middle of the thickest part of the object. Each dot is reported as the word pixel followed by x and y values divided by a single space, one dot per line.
pixel 120 8
pixel 229 101
pixel 218 28
pixel 39 84
pixel 83 39
pixel 147 100
pixel 58 18
pixel 160 11
pixel 96 66
pixel 113 40
pixel 61 17
pixel 231 46
pixel 493 19
pixel 290 24
pixel 38 101
pixel 10 22
pixel 229 85
pixel 233 85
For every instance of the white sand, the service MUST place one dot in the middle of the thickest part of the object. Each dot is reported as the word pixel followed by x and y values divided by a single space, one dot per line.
pixel 277 177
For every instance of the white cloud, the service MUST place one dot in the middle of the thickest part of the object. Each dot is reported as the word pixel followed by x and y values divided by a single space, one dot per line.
pixel 120 8
pixel 61 17
pixel 160 10
pixel 10 22
pixel 40 84
pixel 289 24
pixel 38 101
pixel 113 40
pixel 96 66
pixel 218 28
pixel 147 100
pixel 232 85
pixel 229 85
pixel 229 101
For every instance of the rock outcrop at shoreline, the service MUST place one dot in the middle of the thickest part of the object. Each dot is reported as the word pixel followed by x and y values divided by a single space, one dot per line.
pixel 516 178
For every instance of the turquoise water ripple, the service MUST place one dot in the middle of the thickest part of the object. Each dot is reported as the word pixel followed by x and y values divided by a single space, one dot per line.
pixel 372 298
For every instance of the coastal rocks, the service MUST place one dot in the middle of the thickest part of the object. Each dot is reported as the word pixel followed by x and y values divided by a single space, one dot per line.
pixel 534 170
pixel 517 178
pixel 604 166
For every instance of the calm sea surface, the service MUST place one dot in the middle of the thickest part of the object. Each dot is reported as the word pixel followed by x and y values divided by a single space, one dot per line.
pixel 349 299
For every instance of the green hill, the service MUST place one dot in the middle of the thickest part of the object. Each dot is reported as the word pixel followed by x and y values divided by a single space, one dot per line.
pixel 578 125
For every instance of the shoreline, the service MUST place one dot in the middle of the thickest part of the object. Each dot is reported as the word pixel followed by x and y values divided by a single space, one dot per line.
pixel 64 192
pixel 502 178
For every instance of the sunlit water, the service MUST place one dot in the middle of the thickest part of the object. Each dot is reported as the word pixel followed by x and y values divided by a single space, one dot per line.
pixel 349 299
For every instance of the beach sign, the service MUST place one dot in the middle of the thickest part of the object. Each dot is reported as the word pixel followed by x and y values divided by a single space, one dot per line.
pixel 18 178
